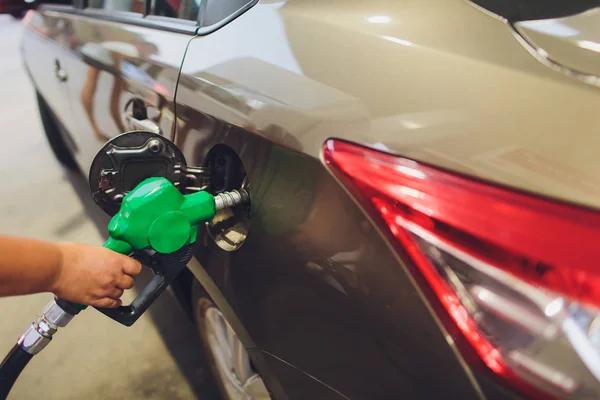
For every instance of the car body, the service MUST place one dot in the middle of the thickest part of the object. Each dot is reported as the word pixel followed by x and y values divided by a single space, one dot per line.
pixel 313 283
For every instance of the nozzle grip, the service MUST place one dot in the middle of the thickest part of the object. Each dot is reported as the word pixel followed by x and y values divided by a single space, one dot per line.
pixel 166 267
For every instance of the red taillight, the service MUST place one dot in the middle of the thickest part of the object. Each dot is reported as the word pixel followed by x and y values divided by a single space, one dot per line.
pixel 516 273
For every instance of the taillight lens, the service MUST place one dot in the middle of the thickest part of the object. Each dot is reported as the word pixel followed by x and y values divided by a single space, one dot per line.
pixel 517 274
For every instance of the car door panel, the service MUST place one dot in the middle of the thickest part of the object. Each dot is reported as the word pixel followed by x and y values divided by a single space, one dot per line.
pixel 111 63
pixel 42 49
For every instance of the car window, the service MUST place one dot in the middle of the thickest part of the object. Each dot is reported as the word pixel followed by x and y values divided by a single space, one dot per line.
pixel 204 12
pixel 218 10
pixel 136 6
pixel 182 9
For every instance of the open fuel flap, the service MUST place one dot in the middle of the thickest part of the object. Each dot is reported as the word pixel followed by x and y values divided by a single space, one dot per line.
pixel 230 226
pixel 132 157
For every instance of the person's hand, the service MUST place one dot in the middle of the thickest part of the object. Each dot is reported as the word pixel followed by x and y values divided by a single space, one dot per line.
pixel 93 275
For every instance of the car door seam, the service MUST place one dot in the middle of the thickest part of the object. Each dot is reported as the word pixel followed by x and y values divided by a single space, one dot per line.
pixel 174 129
pixel 305 373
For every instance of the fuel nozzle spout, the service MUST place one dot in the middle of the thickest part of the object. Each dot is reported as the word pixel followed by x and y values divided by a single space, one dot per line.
pixel 231 199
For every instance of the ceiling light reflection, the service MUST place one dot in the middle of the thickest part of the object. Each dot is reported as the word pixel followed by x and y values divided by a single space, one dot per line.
pixel 399 41
pixel 589 45
pixel 378 19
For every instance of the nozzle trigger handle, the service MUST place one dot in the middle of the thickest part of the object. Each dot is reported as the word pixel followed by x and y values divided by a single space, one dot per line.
pixel 166 267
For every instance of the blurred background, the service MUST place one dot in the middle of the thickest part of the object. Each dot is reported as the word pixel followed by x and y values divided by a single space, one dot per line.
pixel 160 356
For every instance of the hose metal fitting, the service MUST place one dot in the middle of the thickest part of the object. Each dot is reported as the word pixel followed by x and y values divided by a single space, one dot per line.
pixel 39 334
pixel 231 199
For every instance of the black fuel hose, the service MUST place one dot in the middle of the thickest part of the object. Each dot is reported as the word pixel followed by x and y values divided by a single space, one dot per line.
pixel 11 367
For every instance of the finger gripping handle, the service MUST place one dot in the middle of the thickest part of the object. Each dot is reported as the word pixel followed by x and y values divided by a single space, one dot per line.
pixel 113 244
pixel 118 246
pixel 166 267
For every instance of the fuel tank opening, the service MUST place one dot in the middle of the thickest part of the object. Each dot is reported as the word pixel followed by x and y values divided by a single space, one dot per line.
pixel 230 226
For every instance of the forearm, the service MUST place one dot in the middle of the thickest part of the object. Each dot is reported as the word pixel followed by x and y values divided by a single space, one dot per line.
pixel 27 265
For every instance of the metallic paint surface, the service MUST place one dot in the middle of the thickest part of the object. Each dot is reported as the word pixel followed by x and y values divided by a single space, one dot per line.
pixel 471 100
pixel 438 81
pixel 324 301
pixel 107 64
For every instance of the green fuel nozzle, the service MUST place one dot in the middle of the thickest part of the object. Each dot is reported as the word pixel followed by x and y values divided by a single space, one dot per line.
pixel 156 215
pixel 159 224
